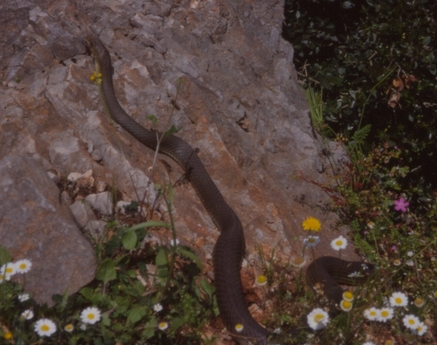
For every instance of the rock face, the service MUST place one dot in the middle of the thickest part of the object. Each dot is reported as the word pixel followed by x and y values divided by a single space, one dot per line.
pixel 35 225
pixel 218 70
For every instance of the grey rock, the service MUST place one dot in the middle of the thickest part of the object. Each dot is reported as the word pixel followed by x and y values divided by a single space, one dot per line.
pixel 101 202
pixel 218 70
pixel 34 225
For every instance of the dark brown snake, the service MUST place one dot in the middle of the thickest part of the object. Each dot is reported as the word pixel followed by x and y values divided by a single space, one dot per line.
pixel 326 272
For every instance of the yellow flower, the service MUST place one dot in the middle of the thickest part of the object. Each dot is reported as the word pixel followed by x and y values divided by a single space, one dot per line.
pixel 239 327
pixel 96 77
pixel 311 224
pixel 419 302
pixel 348 296
pixel 7 335
pixel 298 262
pixel 346 305
pixel 261 280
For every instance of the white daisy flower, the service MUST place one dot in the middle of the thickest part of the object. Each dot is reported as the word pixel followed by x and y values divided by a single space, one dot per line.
pixel 157 307
pixel 311 241
pixel 69 328
pixel 23 297
pixel 346 305
pixel 371 313
pixel 163 326
pixel 45 327
pixel 339 243
pixel 8 270
pixel 398 299
pixel 23 266
pixel 385 314
pixel 27 314
pixel 421 329
pixel 411 321
pixel 410 253
pixel 239 327
pixel 318 319
pixel 90 315
pixel 369 343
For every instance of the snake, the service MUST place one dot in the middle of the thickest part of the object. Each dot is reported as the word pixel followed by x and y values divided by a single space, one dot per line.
pixel 229 249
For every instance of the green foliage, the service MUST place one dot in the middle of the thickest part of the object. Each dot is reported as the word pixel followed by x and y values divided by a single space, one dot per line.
pixel 357 53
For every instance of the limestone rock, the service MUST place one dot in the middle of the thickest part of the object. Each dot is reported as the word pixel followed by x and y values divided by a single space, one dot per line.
pixel 34 225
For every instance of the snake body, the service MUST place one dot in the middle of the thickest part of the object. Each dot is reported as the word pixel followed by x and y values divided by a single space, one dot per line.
pixel 230 246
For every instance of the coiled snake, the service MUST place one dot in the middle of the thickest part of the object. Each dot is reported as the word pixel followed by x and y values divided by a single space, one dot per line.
pixel 327 272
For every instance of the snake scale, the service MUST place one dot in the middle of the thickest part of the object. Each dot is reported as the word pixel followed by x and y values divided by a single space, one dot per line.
pixel 229 249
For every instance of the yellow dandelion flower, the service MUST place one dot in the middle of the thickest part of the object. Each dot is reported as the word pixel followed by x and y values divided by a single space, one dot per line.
pixel 7 336
pixel 311 224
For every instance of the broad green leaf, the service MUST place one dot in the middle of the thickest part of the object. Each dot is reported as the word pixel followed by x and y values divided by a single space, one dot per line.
pixel 106 271
pixel 177 322
pixel 149 328
pixel 129 240
pixel 162 263
pixel 87 292
pixel 5 257
pixel 135 314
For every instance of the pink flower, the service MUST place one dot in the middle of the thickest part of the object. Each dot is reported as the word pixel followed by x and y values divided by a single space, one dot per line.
pixel 401 205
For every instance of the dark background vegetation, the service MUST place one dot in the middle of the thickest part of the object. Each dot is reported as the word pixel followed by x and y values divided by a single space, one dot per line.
pixel 359 50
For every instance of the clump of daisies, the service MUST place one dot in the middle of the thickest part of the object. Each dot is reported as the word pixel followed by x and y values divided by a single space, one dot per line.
pixel 11 268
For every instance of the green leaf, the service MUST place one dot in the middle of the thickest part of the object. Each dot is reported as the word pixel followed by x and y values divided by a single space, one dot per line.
pixel 162 263
pixel 177 322
pixel 207 287
pixel 129 240
pixel 149 328
pixel 360 135
pixel 135 314
pixel 5 257
pixel 173 129
pixel 153 119
pixel 189 255
pixel 106 271
pixel 147 225
pixel 87 293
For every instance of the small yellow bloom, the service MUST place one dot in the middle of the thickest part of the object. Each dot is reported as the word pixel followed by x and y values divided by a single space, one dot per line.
pixel 298 262
pixel 311 224
pixel 419 302
pixel 348 296
pixel 397 262
pixel 163 326
pixel 7 335
pixel 261 280
pixel 346 305
pixel 96 77
pixel 239 327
